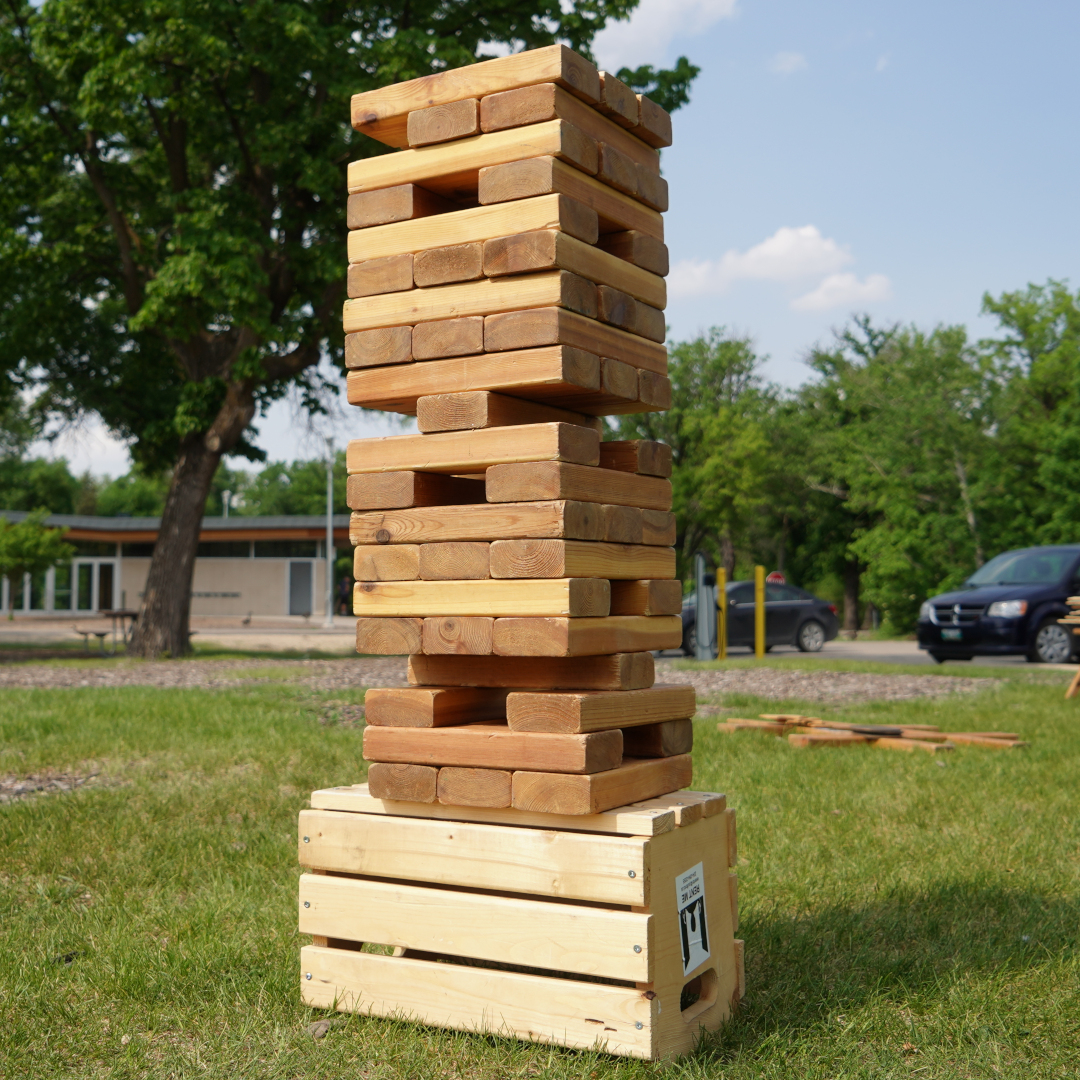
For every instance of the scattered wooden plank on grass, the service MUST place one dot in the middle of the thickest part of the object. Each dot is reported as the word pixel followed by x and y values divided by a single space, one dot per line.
pixel 404 782
pixel 521 482
pixel 442 265
pixel 401 490
pixel 441 123
pixel 621 671
pixel 423 707
pixel 483 409
pixel 637 456
pixel 730 726
pixel 474 787
pixel 828 738
pixel 579 558
pixel 376 348
pixel 383 275
pixel 650 597
pixel 402 203
pixel 455 635
pixel 389 637
pixel 581 712
pixel 578 597
pixel 386 562
pixel 585 637
pixel 989 741
pixel 668 739
pixel 448 337
pixel 639 248
pixel 908 745
pixel 452 561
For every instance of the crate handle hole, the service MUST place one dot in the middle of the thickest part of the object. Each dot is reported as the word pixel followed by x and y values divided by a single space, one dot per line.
pixel 699 994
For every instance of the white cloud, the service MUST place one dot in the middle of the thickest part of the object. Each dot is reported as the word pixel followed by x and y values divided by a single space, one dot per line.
pixel 882 64
pixel 644 38
pixel 88 447
pixel 790 254
pixel 844 290
pixel 787 63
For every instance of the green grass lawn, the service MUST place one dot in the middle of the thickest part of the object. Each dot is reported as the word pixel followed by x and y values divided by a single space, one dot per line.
pixel 903 917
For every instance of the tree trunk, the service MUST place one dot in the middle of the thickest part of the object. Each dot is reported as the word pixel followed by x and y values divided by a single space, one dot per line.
pixel 852 576
pixel 727 556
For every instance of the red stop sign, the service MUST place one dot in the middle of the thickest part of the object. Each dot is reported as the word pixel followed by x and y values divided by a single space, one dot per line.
pixel 776 578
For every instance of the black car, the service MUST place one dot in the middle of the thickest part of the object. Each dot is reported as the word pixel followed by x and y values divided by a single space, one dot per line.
pixel 1008 606
pixel 792 617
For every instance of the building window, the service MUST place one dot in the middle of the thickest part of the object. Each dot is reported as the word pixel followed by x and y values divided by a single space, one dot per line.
pixel 62 588
pixel 137 551
pixel 224 549
pixel 286 549
pixel 93 547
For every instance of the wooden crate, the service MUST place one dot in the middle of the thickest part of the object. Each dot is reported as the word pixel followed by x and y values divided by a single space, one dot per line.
pixel 582 932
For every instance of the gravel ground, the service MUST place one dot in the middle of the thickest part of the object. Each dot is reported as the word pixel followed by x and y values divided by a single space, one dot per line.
pixel 809 685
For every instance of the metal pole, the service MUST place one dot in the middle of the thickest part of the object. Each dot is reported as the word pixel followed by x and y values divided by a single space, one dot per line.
pixel 721 613
pixel 759 611
pixel 226 496
pixel 329 622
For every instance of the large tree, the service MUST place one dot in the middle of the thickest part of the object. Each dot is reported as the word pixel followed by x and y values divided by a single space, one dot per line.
pixel 172 210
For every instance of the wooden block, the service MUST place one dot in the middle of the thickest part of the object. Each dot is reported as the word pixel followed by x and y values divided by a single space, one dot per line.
pixel 404 782
pixel 618 101
pixel 557 288
pixel 652 189
pixel 989 741
pixel 548 249
pixel 483 409
pixel 622 525
pixel 397 490
pixel 623 671
pixel 475 225
pixel 383 113
pixel 389 637
pixel 740 969
pixel 374 348
pixel 441 123
pixel 598 710
pixel 654 124
pixel 474 451
pixel 668 739
pixel 439 266
pixel 688 806
pixel 906 745
pixel 646 597
pixel 733 898
pixel 826 738
pixel 618 170
pixel 639 248
pixel 545 102
pixel 585 637
pixel 423 707
pixel 574 521
pixel 559 480
pixel 732 837
pixel 649 322
pixel 532 177
pixel 619 380
pixel 386 562
pixel 578 558
pixel 557 326
pixel 375 276
pixel 452 169
pixel 452 561
pixel 560 793
pixel 577 597
pixel 729 727
pixel 654 390
pixel 474 787
pixel 495 746
pixel 451 634
pixel 658 527
pixel 448 337
pixel 401 203
pixel 617 307
pixel 637 456
pixel 557 372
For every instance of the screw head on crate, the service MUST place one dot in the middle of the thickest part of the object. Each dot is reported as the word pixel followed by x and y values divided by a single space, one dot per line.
pixel 631 873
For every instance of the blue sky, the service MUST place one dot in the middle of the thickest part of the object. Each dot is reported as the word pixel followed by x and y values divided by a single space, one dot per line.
pixel 895 158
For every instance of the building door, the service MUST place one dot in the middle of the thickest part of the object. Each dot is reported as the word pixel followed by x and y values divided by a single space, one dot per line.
pixel 300 586
pixel 84 590
pixel 105 586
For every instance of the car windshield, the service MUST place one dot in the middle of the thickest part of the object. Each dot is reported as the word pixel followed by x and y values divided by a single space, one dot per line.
pixel 1045 567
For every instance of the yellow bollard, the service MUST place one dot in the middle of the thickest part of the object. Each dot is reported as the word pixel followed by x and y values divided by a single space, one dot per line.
pixel 721 614
pixel 759 611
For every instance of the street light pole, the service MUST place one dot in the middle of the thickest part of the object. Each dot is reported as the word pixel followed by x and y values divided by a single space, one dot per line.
pixel 329 621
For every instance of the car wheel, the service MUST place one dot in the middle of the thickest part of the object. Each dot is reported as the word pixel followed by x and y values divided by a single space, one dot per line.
pixel 811 637
pixel 1053 644
pixel 690 642
pixel 938 658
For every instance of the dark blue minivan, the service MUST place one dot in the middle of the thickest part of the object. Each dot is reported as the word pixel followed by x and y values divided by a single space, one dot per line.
pixel 1011 605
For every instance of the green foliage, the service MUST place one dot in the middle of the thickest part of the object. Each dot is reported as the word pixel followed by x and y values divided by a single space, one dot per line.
pixel 669 89
pixel 133 495
pixel 295 488
pixel 27 547
pixel 29 484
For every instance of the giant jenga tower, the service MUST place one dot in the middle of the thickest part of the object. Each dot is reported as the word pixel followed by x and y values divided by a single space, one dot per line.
pixel 524 842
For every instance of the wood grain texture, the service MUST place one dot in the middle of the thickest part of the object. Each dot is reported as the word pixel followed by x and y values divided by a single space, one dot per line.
pixel 448 337
pixel 654 123
pixel 659 527
pixel 654 390
pixel 560 793
pixel 617 307
pixel 557 288
pixel 559 480
pixel 453 635
pixel 386 562
pixel 578 597
pixel 441 123
pixel 618 170
pixel 730 816
pixel 622 671
pixel 452 169
pixel 733 898
pixel 452 561
pixel 598 710
pixel 374 276
pixel 574 521
pixel 383 113
pixel 397 490
pixel 585 637
pixel 618 101
pixel 495 746
pixel 578 558
pixel 474 787
pixel 652 189
pixel 622 525
pixel 401 203
pixel 639 248
pixel 637 456
pixel 422 707
pixel 649 322
pixel 475 225
pixel 442 265
pixel 646 597
pixel 618 380
pixel 483 409
pixel 374 348
pixel 389 637
pixel 538 327
pixel 403 782
pixel 668 739
pixel 474 451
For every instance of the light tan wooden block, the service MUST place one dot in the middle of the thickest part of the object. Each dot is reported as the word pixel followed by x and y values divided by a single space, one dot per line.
pixel 580 712
pixel 623 525
pixel 732 837
pixel 454 561
pixel 658 527
pixel 666 739
pixel 401 203
pixel 383 113
pixel 422 707
pixel 637 456
pixel 374 348
pixel 386 562
pixel 688 806
pixel 402 782
pixel 650 597
pixel 654 390
pixel 567 596
pixel 389 637
pixel 448 337
pixel 733 897
pixel 397 490
pixel 654 123
pixel 375 276
pixel 474 787
pixel 623 671
pixel 585 637
pixel 474 451
pixel 482 409
pixel 577 558
pixel 618 101
pixel 639 248
pixel 561 793
pixel 452 634
pixel 559 480
pixel 441 123
pixel 439 266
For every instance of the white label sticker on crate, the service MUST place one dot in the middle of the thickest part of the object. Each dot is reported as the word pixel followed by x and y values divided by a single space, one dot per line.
pixel 690 895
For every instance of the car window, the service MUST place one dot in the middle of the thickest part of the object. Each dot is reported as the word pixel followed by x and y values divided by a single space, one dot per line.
pixel 742 593
pixel 1036 566
pixel 781 592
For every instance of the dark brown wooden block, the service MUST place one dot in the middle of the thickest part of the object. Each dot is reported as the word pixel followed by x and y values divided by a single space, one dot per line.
pixel 448 337
pixel 659 740
pixel 440 266
pixel 646 597
pixel 402 782
pixel 374 348
pixel 636 456
pixel 634 781
pixel 658 527
pixel 654 125
pixel 376 276
pixel 401 203
pixel 559 480
pixel 439 706
pixel 622 671
pixel 474 787
pixel 638 248
pixel 618 101
pixel 482 409
pixel 399 490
